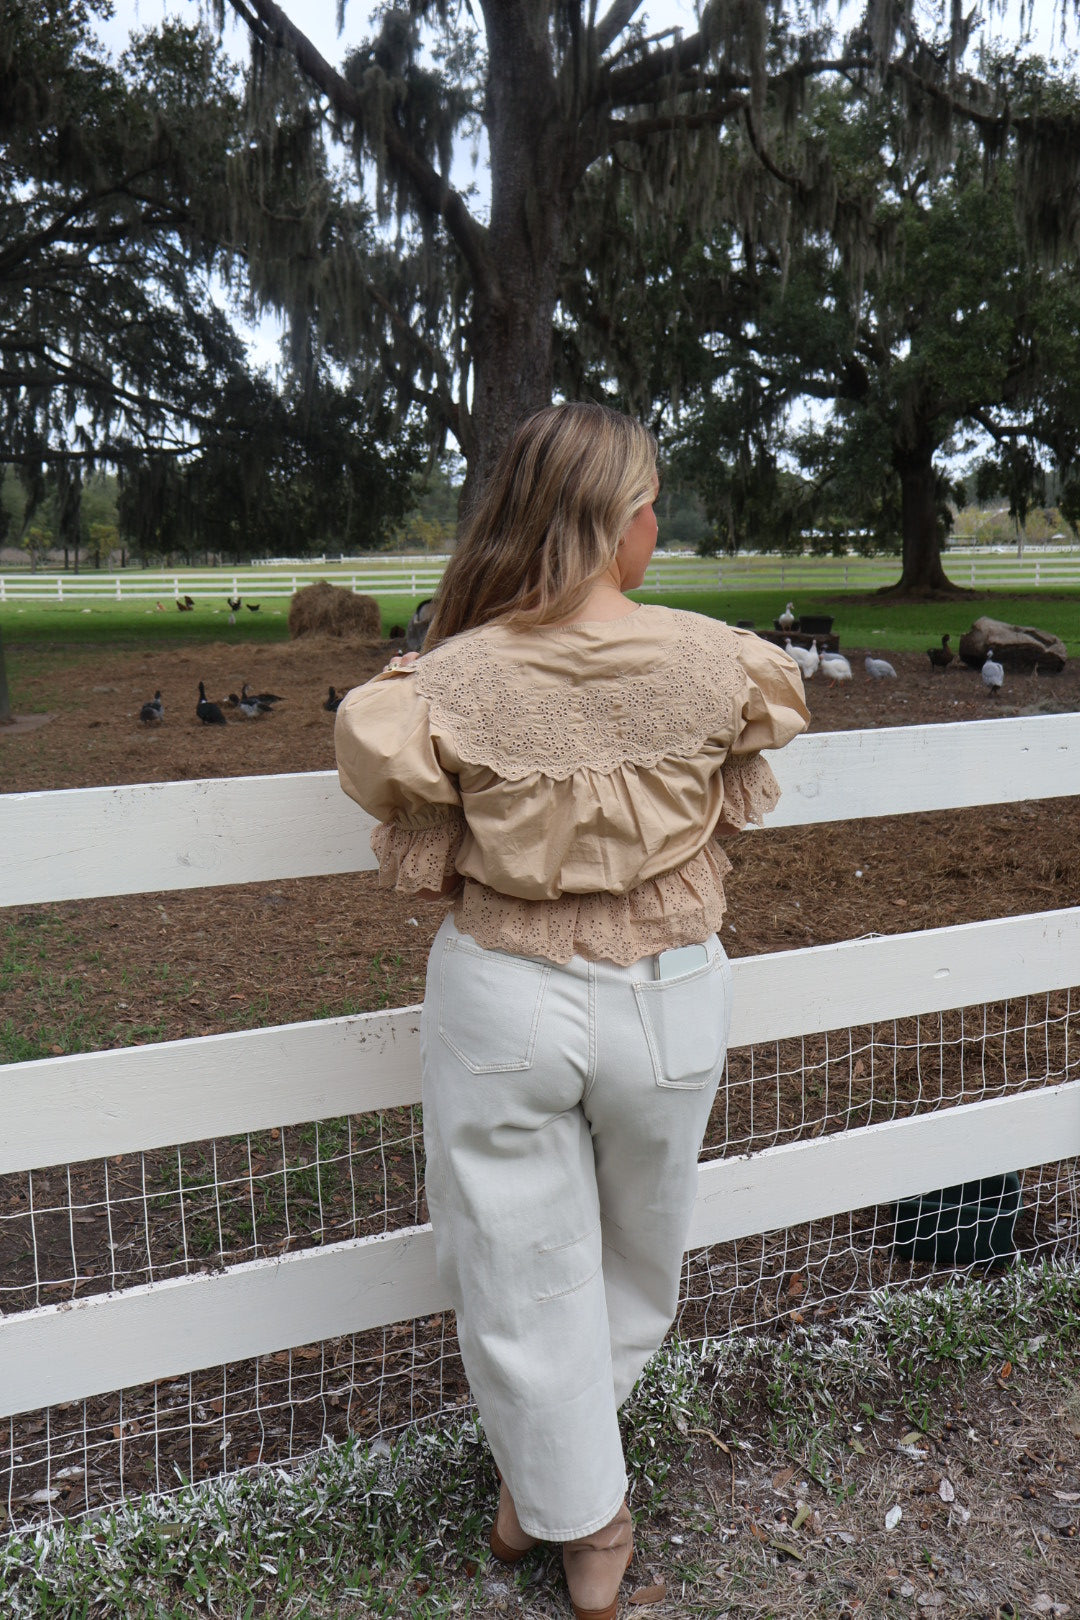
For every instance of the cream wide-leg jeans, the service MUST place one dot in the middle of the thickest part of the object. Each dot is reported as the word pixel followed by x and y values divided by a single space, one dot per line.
pixel 564 1108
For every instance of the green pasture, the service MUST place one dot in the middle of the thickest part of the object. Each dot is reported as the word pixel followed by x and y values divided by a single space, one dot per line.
pixel 860 618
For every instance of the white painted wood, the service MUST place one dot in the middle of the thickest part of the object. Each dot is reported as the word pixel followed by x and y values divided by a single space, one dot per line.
pixel 93 1105
pixel 861 981
pixel 97 1104
pixel 876 1164
pixel 67 1352
pixel 81 842
pixel 844 775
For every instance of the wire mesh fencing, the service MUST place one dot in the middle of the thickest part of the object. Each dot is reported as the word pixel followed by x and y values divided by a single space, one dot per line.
pixel 72 1231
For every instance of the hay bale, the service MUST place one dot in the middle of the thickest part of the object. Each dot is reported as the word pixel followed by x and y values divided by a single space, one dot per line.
pixel 328 610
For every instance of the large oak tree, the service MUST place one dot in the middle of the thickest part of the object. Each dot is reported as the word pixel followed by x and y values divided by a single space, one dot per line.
pixel 576 101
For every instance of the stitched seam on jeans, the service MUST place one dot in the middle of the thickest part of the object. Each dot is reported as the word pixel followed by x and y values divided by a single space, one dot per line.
pixel 561 1293
pixel 590 1073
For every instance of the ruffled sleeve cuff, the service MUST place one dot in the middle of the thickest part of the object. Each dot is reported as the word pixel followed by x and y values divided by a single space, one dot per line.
pixel 750 792
pixel 424 857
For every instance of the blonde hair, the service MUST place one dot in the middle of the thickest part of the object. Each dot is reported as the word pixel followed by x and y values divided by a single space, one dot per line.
pixel 548 524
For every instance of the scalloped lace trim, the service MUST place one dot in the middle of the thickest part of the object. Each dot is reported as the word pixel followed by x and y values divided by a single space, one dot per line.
pixel 678 908
pixel 492 718
pixel 750 789
pixel 412 858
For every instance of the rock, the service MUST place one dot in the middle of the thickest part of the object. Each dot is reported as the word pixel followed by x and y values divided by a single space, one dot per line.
pixel 1016 646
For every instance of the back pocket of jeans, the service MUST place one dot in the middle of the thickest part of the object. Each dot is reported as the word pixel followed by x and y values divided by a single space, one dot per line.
pixel 489 1007
pixel 686 1023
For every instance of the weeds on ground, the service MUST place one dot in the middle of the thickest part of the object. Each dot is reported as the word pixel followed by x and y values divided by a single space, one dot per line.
pixel 401 1529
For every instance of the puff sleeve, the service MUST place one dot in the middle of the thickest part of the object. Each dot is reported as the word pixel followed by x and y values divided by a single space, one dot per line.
pixel 388 762
pixel 773 712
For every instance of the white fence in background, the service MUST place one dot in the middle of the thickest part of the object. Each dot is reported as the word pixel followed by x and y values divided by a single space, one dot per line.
pixel 392 576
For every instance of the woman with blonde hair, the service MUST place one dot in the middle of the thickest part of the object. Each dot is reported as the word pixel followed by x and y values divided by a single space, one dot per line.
pixel 561 762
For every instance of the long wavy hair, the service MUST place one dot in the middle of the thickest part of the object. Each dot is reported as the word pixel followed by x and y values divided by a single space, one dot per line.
pixel 548 523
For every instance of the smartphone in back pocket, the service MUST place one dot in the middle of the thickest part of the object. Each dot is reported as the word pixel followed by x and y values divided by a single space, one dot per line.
pixel 683 959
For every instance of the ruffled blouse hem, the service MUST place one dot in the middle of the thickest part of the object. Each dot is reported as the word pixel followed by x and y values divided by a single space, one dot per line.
pixel 750 790
pixel 415 858
pixel 682 907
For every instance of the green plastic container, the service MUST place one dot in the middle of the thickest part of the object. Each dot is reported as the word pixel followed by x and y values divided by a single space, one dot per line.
pixel 961 1225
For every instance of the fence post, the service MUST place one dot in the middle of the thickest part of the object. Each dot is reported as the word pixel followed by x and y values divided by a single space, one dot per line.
pixel 118 587
pixel 59 588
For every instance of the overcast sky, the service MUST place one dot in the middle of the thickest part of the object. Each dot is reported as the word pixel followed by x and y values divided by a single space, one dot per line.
pixel 318 19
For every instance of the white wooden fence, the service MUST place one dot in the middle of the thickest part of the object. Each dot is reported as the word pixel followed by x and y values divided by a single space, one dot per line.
pixel 405 576
pixel 111 841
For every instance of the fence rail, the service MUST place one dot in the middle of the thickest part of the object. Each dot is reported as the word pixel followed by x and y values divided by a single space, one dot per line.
pixel 95 1106
pixel 390 577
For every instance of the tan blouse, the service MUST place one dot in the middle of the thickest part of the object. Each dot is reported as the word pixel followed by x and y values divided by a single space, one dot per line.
pixel 573 779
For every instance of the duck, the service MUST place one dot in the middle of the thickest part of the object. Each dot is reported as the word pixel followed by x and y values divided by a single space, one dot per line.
pixel 993 674
pixel 879 669
pixel 835 667
pixel 152 711
pixel 267 699
pixel 250 708
pixel 941 657
pixel 208 712
pixel 806 657
pixel 786 621
pixel 333 701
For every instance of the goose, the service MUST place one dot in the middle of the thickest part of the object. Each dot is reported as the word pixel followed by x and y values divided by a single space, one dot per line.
pixel 267 699
pixel 806 659
pixel 152 712
pixel 786 621
pixel 992 673
pixel 835 667
pixel 333 701
pixel 941 657
pixel 208 712
pixel 250 708
pixel 879 669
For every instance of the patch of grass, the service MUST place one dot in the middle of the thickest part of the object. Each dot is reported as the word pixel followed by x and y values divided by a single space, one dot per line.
pixel 63 1021
pixel 895 1355
pixel 402 1530
pixel 863 620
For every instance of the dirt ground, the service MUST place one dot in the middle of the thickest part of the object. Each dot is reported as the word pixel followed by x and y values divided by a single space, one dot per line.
pixel 236 946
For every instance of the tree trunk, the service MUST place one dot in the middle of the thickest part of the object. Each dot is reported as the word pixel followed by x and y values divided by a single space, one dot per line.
pixel 532 145
pixel 922 573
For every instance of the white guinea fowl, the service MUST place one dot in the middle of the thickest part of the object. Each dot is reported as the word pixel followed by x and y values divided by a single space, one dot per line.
pixel 835 667
pixel 786 621
pixel 802 657
pixel 879 669
pixel 992 673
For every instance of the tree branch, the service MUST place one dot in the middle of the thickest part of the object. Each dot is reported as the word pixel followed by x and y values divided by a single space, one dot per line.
pixel 274 27
pixel 613 22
